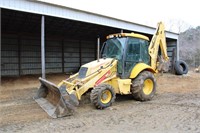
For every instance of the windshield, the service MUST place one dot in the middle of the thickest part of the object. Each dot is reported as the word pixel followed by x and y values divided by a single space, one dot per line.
pixel 114 48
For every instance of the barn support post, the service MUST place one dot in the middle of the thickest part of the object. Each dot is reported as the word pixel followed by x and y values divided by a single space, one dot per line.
pixel 19 55
pixel 80 55
pixel 63 56
pixel 43 46
pixel 177 49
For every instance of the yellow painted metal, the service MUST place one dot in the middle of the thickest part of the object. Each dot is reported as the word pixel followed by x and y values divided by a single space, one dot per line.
pixel 73 76
pixel 95 76
pixel 128 35
pixel 106 96
pixel 69 82
pixel 105 71
pixel 157 40
pixel 97 69
pixel 94 66
pixel 114 83
pixel 139 68
pixel 148 86
pixel 124 86
pixel 89 77
pixel 70 85
pixel 61 83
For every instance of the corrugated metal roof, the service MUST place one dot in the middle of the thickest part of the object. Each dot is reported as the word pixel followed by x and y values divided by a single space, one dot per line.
pixel 34 6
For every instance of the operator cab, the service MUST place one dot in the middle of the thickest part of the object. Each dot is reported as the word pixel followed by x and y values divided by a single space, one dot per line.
pixel 129 49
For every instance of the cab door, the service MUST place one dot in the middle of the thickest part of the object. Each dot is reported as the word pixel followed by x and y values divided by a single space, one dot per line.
pixel 136 51
pixel 132 55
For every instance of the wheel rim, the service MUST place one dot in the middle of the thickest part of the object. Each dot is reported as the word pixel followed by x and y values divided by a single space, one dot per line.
pixel 106 96
pixel 148 86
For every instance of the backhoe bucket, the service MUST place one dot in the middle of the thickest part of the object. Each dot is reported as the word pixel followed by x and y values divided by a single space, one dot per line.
pixel 55 101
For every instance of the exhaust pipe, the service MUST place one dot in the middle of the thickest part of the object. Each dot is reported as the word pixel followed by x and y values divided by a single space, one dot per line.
pixel 98 47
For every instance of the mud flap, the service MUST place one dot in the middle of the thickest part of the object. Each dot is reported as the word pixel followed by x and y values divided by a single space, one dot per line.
pixel 55 101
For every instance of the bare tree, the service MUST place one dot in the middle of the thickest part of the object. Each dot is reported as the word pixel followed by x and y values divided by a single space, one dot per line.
pixel 177 25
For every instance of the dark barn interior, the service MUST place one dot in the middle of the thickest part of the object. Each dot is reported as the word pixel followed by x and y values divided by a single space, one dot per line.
pixel 68 43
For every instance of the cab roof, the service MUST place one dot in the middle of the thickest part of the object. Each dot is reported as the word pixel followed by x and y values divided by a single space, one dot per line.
pixel 128 35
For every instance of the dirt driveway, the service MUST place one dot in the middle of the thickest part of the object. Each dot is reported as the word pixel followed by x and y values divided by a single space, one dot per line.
pixel 175 108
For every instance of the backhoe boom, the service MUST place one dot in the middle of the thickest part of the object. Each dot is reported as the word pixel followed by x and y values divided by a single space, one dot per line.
pixel 158 39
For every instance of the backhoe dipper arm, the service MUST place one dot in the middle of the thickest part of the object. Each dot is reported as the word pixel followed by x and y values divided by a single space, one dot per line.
pixel 158 39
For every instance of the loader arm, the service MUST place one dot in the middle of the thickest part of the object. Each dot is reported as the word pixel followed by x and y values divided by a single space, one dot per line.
pixel 158 40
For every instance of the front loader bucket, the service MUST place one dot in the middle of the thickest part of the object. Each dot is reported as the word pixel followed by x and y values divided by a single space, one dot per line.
pixel 55 101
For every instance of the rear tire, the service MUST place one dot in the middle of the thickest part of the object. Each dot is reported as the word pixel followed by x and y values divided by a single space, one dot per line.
pixel 102 96
pixel 144 86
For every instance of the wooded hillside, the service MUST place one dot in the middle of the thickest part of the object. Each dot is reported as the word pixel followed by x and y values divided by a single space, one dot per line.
pixel 189 44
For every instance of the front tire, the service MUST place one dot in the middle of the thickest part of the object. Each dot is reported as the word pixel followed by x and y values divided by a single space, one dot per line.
pixel 144 86
pixel 102 96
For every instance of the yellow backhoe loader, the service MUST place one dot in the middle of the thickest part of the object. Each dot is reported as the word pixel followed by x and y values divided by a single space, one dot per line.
pixel 128 66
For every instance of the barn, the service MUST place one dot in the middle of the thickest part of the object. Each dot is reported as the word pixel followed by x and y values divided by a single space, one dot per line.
pixel 39 37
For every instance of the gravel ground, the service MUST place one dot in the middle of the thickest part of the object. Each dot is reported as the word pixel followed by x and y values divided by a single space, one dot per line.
pixel 175 108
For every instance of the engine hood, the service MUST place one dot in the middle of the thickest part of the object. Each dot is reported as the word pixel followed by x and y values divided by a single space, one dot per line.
pixel 93 66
